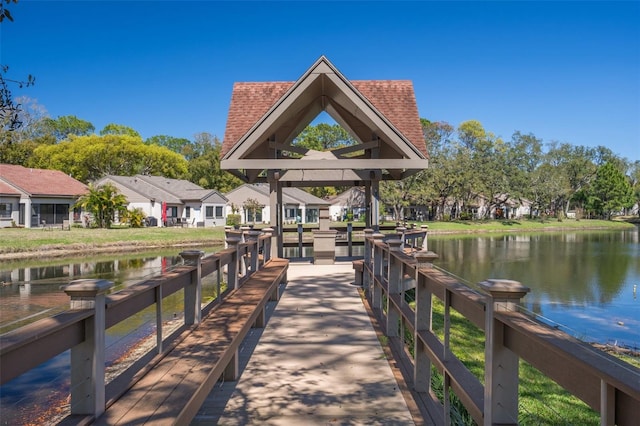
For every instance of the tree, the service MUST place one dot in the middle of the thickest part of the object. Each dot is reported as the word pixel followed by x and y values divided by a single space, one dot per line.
pixel 119 129
pixel 66 125
pixel 324 137
pixel 204 167
pixel 103 202
pixel 252 207
pixel 88 158
pixel 179 145
pixel 610 191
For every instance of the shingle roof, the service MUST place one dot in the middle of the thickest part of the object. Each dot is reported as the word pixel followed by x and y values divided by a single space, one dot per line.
pixel 395 99
pixel 6 189
pixel 290 195
pixel 41 182
pixel 172 191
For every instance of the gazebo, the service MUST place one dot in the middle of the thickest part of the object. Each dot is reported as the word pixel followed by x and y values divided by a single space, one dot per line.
pixel 265 117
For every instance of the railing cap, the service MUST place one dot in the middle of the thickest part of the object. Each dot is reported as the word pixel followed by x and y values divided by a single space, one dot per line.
pixel 377 236
pixel 234 241
pixel 425 258
pixel 87 287
pixel 500 288
pixel 394 244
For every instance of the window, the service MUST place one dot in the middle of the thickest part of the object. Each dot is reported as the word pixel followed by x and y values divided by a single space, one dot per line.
pixel 5 209
pixel 209 212
pixel 187 212
pixel 219 213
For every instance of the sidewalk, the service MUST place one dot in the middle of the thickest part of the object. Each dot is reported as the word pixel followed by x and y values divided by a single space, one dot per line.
pixel 318 362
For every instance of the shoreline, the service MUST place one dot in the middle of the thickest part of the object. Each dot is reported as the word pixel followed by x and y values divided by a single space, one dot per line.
pixel 75 249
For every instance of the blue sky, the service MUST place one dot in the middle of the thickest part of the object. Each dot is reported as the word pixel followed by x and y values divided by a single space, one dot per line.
pixel 564 71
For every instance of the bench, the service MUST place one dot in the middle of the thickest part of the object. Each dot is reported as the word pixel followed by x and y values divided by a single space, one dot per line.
pixel 173 391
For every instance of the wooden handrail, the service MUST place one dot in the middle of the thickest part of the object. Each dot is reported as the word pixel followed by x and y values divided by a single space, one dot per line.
pixel 607 384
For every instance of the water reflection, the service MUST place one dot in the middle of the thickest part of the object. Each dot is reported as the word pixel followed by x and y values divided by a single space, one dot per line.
pixel 30 290
pixel 583 280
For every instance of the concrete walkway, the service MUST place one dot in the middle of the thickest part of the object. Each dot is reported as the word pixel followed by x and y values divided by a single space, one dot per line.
pixel 318 362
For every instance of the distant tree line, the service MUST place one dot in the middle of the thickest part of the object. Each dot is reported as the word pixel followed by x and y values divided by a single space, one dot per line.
pixel 469 162
pixel 465 163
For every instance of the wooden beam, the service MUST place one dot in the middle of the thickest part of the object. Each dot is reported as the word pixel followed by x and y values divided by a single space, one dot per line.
pixel 296 164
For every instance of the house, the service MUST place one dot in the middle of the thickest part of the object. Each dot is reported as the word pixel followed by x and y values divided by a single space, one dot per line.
pixel 351 201
pixel 171 201
pixel 36 197
pixel 298 206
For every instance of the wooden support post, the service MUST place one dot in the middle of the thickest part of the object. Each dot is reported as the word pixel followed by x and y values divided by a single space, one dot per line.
pixel 252 237
pixel 232 370
pixel 366 278
pixel 232 267
pixel 300 234
pixel 350 239
pixel 423 321
pixel 193 291
pixel 88 357
pixel 266 251
pixel 501 365
pixel 376 291
pixel 394 282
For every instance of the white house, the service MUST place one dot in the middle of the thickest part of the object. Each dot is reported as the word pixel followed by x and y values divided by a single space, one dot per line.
pixel 352 200
pixel 298 206
pixel 36 197
pixel 171 201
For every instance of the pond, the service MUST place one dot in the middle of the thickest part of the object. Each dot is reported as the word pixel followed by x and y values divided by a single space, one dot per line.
pixel 586 282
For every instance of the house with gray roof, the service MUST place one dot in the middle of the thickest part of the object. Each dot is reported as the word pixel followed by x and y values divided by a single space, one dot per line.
pixel 35 197
pixel 298 205
pixel 182 202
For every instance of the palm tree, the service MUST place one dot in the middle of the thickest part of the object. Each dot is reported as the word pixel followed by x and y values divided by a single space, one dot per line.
pixel 103 202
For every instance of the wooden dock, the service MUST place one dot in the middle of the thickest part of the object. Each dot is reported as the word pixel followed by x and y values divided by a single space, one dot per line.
pixel 317 362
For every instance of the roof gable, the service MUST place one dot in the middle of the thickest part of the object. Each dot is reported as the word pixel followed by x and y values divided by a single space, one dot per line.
pixel 264 118
pixel 41 182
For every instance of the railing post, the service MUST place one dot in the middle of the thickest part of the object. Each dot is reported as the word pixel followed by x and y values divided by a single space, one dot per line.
pixel 366 278
pixel 401 230
pixel 423 318
pixel 350 239
pixel 252 236
pixel 266 251
pixel 394 283
pixel 501 365
pixel 377 251
pixel 88 358
pixel 300 232
pixel 232 267
pixel 425 229
pixel 193 292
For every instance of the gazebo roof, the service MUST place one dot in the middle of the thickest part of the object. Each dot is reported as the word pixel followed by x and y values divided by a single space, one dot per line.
pixel 381 115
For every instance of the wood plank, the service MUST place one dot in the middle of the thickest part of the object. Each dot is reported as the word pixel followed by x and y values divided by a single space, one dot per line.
pixel 175 388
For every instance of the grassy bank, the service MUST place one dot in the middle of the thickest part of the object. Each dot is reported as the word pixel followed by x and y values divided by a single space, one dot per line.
pixel 20 242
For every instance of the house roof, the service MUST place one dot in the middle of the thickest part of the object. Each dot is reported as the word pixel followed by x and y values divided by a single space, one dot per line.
pixel 171 191
pixel 6 189
pixel 290 195
pixel 381 115
pixel 41 182
pixel 353 197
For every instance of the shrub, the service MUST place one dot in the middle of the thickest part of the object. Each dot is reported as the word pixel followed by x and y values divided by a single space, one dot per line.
pixel 234 219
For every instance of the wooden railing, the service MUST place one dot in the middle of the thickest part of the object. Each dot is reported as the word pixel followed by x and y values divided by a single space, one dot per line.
pixel 93 310
pixel 608 385
pixel 351 236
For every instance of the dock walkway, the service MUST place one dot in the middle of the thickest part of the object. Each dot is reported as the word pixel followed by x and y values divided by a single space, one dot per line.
pixel 317 362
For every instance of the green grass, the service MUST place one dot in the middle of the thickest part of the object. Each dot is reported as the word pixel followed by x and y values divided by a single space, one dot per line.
pixel 541 400
pixel 14 240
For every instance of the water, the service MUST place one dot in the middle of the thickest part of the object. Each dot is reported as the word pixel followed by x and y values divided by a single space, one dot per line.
pixel 588 283
pixel 582 280
pixel 31 290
